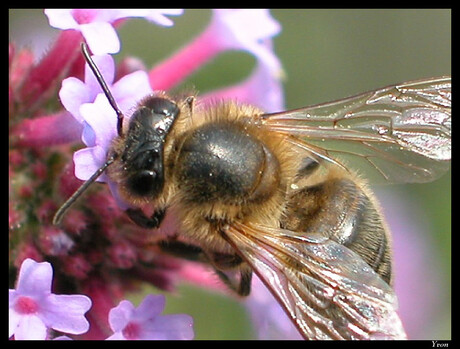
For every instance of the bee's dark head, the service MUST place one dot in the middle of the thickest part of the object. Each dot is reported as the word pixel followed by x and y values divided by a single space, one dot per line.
pixel 142 156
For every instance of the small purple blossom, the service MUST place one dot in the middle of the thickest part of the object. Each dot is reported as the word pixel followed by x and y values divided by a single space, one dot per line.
pixel 34 309
pixel 90 107
pixel 248 30
pixel 145 321
pixel 96 24
pixel 74 92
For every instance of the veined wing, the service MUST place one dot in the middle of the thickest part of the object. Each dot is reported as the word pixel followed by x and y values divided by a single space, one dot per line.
pixel 327 290
pixel 402 131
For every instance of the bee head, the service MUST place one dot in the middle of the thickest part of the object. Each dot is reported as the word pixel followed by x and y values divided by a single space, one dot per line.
pixel 142 156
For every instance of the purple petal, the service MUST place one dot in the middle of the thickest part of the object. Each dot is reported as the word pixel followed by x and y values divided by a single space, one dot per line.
pixel 155 15
pixel 30 327
pixel 246 29
pixel 169 327
pixel 14 317
pixel 150 307
pixel 117 336
pixel 101 37
pixel 61 18
pixel 34 278
pixel 87 135
pixel 102 119
pixel 130 89
pixel 65 313
pixel 106 66
pixel 120 316
pixel 88 161
pixel 159 16
pixel 73 94
pixel 144 322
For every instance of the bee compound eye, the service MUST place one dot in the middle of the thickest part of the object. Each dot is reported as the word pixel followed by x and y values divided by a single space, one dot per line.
pixel 144 183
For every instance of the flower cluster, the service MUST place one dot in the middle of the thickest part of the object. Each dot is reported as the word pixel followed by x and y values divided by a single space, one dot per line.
pixel 97 251
pixel 34 311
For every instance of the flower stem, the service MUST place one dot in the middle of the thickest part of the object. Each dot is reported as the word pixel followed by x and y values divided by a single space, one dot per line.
pixel 174 69
pixel 60 128
pixel 58 60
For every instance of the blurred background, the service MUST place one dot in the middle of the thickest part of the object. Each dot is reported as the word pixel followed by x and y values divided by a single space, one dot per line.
pixel 326 55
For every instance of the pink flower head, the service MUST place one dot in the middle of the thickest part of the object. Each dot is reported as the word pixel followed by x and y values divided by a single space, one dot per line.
pixel 249 30
pixel 96 24
pixel 145 321
pixel 34 309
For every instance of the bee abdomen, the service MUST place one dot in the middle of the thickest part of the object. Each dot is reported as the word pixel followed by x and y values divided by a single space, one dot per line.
pixel 221 162
pixel 342 211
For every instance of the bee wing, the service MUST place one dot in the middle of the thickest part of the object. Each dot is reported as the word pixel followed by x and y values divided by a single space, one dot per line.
pixel 402 131
pixel 327 290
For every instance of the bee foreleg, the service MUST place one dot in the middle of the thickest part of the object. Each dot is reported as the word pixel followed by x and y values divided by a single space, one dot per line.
pixel 229 267
pixel 183 250
pixel 138 217
pixel 241 285
pixel 233 272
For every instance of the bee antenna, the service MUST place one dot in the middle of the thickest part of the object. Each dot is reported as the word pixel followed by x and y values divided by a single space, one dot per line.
pixel 70 201
pixel 105 88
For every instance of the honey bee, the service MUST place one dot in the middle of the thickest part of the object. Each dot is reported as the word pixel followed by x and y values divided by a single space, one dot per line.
pixel 274 193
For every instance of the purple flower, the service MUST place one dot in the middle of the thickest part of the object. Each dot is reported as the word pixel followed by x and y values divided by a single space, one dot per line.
pixel 236 29
pixel 246 29
pixel 74 92
pixel 34 309
pixel 96 24
pixel 89 106
pixel 145 321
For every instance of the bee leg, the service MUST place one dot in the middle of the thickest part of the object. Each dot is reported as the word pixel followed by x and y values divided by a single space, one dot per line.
pixel 241 286
pixel 226 266
pixel 186 251
pixel 138 217
pixel 222 263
